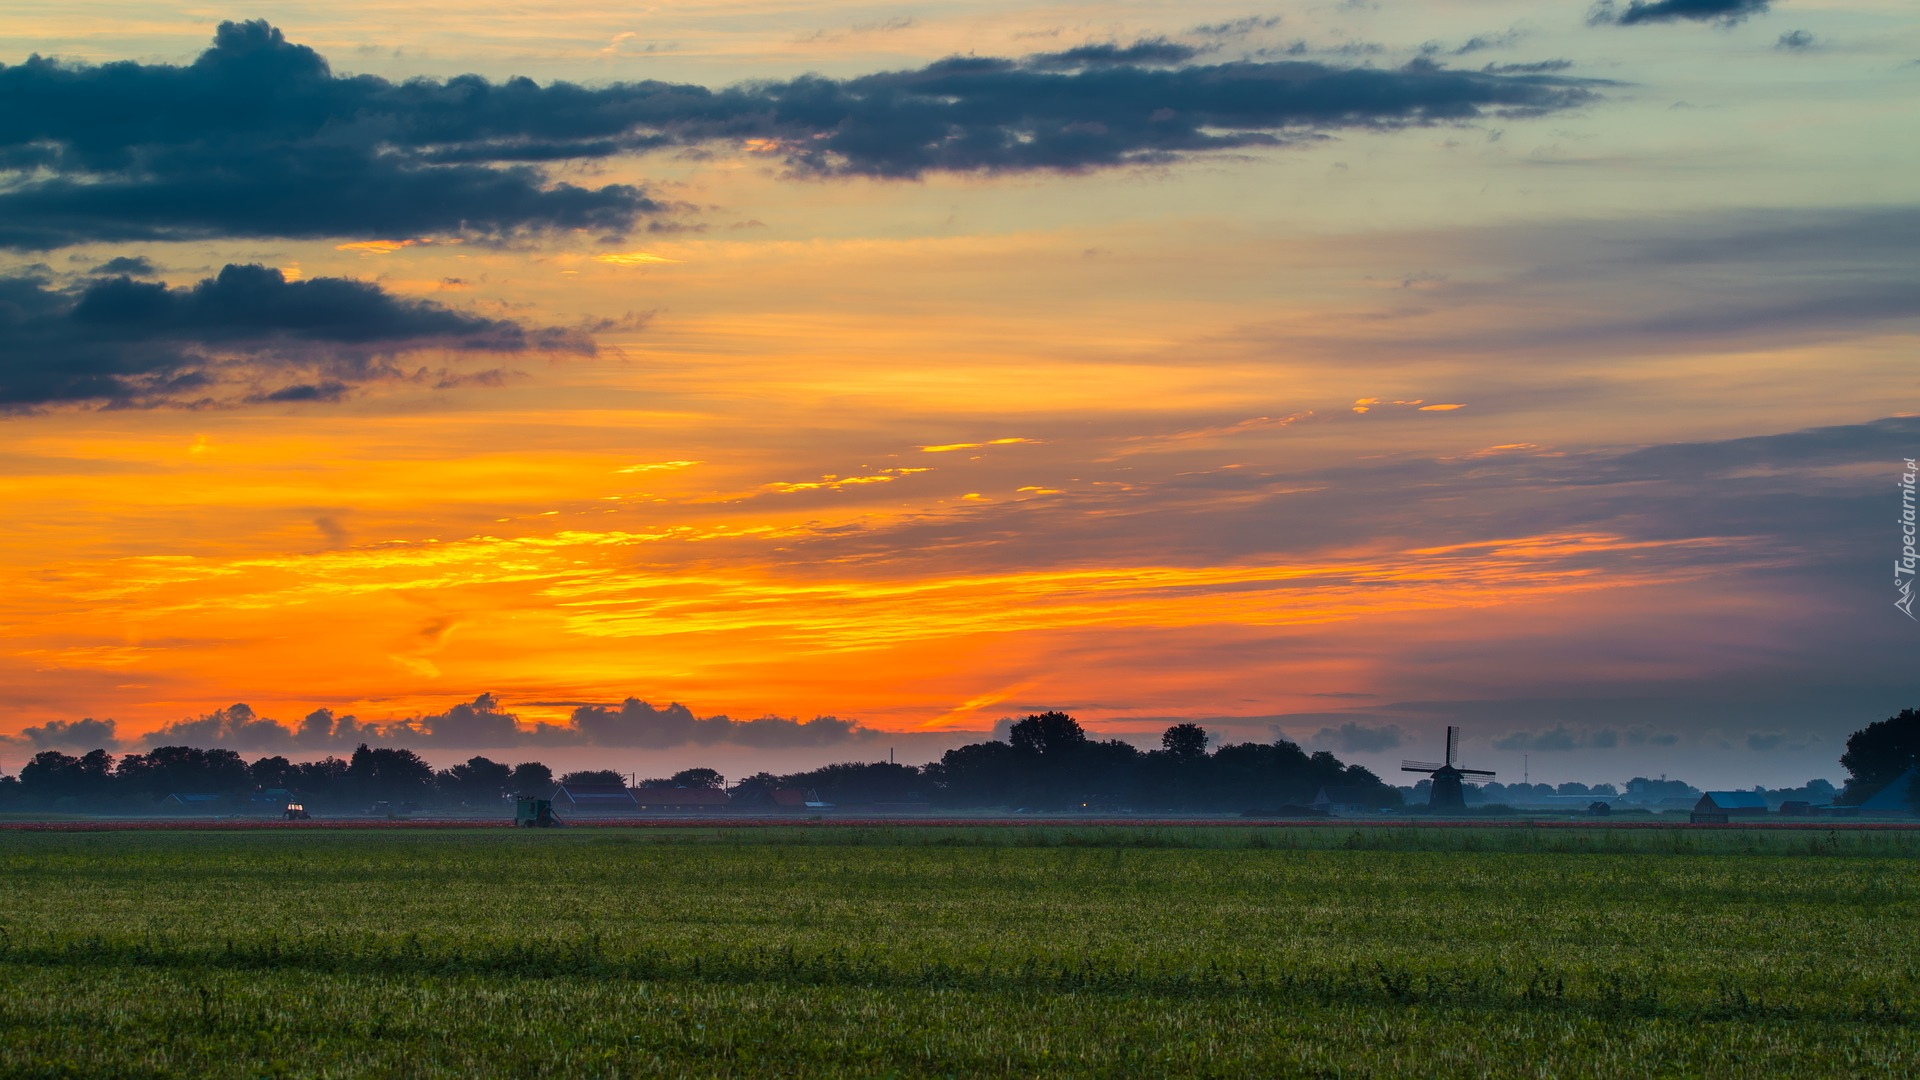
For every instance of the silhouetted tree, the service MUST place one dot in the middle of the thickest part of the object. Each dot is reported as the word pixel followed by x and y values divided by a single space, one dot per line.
pixel 166 770
pixel 50 775
pixel 977 774
pixel 1047 761
pixel 389 773
pixel 755 790
pixel 1179 775
pixel 53 775
pixel 1878 753
pixel 274 772
pixel 851 783
pixel 1280 773
pixel 1185 741
pixel 478 780
pixel 597 776
pixel 1047 733
pixel 697 778
pixel 323 781
pixel 532 778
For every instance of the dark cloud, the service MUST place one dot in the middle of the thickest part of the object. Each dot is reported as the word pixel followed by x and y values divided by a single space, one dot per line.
pixel 88 734
pixel 1538 67
pixel 245 334
pixel 1796 41
pixel 637 724
pixel 236 727
pixel 126 266
pixel 634 723
pixel 1482 42
pixel 1251 24
pixel 1148 52
pixel 481 723
pixel 1353 738
pixel 985 115
pixel 257 137
pixel 321 729
pixel 1725 12
pixel 335 533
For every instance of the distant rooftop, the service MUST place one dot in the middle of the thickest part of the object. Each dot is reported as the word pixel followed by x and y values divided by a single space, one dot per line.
pixel 1737 800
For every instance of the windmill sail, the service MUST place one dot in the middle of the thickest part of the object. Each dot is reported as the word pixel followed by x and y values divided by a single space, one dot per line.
pixel 1447 792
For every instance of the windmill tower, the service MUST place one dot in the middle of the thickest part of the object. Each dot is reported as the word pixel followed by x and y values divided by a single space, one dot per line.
pixel 1447 792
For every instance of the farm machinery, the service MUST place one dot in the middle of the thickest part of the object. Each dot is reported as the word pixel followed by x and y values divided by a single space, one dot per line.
pixel 530 813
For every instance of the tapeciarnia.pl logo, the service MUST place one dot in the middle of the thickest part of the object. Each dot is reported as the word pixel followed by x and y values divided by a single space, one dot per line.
pixel 1903 566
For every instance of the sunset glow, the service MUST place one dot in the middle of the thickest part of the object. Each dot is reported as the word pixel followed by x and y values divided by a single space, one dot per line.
pixel 1570 391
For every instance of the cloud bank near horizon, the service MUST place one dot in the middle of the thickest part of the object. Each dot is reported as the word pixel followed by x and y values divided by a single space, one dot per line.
pixel 479 724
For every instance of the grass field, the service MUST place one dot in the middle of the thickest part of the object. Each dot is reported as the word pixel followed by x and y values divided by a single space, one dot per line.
pixel 965 952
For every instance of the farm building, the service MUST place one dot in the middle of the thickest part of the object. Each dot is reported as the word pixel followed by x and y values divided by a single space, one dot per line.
pixel 594 798
pixel 793 798
pixel 1345 800
pixel 681 798
pixel 1716 807
pixel 271 799
pixel 1896 798
pixel 198 802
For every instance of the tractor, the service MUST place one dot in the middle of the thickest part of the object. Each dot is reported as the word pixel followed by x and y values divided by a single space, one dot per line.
pixel 531 813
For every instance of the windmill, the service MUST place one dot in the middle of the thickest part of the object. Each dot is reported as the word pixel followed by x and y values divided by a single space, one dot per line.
pixel 1447 793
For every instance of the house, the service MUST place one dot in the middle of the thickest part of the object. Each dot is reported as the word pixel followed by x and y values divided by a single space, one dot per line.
pixel 681 798
pixel 1346 800
pixel 192 802
pixel 793 798
pixel 274 800
pixel 1716 807
pixel 594 799
pixel 1896 798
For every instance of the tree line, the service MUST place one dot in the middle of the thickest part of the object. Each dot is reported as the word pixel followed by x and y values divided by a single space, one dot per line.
pixel 1047 762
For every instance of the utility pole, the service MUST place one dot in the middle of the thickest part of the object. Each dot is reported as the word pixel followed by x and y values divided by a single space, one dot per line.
pixel 1524 775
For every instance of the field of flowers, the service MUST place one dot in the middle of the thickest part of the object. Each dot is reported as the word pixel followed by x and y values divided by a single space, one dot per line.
pixel 899 950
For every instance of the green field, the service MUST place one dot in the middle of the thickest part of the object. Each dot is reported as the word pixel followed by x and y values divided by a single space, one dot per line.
pixel 965 952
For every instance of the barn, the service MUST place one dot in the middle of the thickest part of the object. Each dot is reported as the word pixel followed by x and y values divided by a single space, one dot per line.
pixel 594 799
pixel 681 798
pixel 1717 807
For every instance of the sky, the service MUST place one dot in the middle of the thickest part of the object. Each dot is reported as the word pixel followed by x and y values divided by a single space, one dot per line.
pixel 757 385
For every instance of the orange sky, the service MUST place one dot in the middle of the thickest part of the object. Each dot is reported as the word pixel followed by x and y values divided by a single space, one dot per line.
pixel 1338 432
